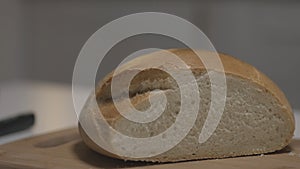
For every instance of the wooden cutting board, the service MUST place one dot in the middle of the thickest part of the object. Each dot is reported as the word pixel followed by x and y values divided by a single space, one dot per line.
pixel 65 150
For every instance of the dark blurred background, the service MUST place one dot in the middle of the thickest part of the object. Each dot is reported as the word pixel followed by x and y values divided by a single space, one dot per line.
pixel 41 39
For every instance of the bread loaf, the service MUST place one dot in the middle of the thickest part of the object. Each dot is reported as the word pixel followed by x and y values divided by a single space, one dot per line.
pixel 257 117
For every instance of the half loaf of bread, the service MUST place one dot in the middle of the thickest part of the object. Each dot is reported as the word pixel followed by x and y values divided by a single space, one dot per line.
pixel 257 117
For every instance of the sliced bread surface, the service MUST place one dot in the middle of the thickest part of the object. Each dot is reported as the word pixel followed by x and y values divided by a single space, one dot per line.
pixel 257 117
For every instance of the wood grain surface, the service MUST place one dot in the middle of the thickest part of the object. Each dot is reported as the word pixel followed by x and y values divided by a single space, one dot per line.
pixel 65 150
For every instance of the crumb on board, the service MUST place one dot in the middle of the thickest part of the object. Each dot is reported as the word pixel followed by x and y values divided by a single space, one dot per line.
pixel 262 155
pixel 292 154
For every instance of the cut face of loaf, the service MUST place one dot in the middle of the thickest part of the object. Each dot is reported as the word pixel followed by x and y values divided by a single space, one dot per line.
pixel 257 117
